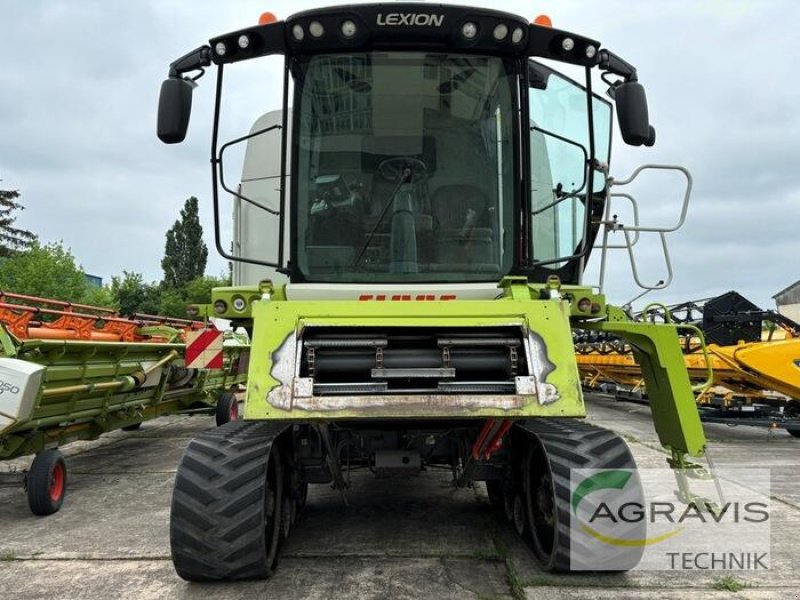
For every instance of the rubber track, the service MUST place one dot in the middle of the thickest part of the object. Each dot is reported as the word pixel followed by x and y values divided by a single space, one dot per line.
pixel 572 444
pixel 217 518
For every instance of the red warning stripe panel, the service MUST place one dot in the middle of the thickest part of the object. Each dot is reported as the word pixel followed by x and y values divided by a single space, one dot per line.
pixel 202 346
pixel 197 342
pixel 215 362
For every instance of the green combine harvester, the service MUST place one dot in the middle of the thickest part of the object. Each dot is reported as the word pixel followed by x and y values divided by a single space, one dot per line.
pixel 70 372
pixel 422 274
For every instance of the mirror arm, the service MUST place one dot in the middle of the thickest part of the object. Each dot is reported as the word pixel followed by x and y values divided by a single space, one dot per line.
pixel 613 64
pixel 192 61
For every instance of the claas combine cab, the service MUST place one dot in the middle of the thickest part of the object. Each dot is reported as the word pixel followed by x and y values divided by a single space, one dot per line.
pixel 425 261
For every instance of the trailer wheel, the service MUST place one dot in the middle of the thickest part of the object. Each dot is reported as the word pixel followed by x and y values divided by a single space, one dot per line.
pixel 227 408
pixel 225 522
pixel 792 411
pixel 47 482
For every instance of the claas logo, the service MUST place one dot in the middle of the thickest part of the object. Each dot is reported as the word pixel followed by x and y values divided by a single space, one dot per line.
pixel 406 297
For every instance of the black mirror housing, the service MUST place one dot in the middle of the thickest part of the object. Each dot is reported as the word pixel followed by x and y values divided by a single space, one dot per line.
pixel 634 121
pixel 174 109
pixel 651 140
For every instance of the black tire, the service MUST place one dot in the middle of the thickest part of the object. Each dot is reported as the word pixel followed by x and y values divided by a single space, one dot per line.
pixel 556 446
pixel 227 408
pixel 225 521
pixel 46 482
pixel 792 411
pixel 134 427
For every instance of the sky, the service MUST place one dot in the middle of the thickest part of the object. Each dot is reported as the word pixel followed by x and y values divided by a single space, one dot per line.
pixel 78 102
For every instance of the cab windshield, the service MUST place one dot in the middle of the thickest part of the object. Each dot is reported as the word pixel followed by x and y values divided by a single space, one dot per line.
pixel 403 167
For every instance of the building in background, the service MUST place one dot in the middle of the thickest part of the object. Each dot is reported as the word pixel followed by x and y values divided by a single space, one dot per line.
pixel 788 301
pixel 94 280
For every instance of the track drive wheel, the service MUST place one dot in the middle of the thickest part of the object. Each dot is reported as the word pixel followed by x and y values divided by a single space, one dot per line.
pixel 47 482
pixel 227 504
pixel 555 447
pixel 227 408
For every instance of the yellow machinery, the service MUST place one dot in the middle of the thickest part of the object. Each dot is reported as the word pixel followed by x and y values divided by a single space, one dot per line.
pixel 747 371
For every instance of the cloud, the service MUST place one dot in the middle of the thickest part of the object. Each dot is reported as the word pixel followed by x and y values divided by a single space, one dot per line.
pixel 80 87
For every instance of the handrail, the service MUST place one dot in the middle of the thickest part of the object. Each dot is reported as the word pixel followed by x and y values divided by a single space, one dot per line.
pixel 611 224
pixel 686 196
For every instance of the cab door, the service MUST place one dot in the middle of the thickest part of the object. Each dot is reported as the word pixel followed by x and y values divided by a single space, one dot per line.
pixel 560 203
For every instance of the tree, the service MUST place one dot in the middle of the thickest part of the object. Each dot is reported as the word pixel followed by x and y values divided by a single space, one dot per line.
pixel 198 291
pixel 48 271
pixel 132 294
pixel 12 239
pixel 172 303
pixel 100 296
pixel 185 253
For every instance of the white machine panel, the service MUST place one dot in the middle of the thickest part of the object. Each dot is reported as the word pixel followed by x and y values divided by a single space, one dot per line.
pixel 19 385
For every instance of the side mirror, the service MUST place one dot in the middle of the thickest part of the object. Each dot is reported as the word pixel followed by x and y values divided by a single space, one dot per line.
pixel 634 122
pixel 174 109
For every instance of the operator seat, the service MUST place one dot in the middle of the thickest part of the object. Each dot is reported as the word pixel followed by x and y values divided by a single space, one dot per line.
pixel 463 227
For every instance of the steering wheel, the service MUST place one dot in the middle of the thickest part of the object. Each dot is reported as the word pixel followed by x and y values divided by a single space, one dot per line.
pixel 394 168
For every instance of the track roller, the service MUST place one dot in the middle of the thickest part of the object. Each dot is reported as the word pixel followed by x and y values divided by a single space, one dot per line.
pixel 518 514
pixel 228 503
pixel 545 452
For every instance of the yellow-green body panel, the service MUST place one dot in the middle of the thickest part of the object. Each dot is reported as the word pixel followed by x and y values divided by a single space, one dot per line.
pixel 274 393
pixel 545 313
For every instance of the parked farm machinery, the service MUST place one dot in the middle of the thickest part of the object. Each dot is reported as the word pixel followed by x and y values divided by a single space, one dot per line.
pixel 73 372
pixel 421 273
pixel 747 371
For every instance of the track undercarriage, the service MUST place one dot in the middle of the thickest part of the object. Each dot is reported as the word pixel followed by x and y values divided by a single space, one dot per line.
pixel 240 488
pixel 487 390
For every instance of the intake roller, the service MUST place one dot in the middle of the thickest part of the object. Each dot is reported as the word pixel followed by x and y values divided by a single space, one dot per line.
pixel 332 364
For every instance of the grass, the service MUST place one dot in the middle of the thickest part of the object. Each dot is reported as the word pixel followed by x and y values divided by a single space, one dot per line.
pixel 541 581
pixel 729 583
pixel 7 556
pixel 514 581
pixel 629 438
pixel 486 555
pixel 499 544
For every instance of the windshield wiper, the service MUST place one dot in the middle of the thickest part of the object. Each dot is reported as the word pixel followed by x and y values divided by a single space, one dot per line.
pixel 405 177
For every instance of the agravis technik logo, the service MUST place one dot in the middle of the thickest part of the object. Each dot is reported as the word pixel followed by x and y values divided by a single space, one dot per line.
pixel 627 518
pixel 627 512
